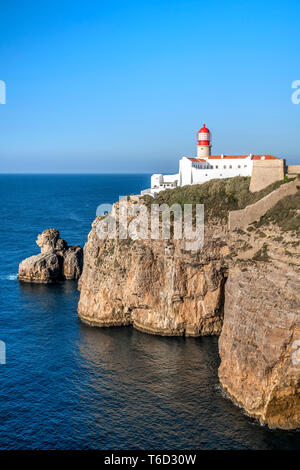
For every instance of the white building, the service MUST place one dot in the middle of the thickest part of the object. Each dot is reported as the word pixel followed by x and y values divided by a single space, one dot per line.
pixel 205 166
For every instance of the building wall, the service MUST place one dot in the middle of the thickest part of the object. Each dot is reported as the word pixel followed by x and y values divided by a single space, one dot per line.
pixel 156 180
pixel 293 170
pixel 266 172
pixel 185 171
pixel 171 178
pixel 202 175
pixel 242 218
pixel 160 182
pixel 197 173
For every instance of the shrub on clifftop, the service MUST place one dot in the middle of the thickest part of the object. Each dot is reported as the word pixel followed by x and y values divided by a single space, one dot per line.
pixel 219 195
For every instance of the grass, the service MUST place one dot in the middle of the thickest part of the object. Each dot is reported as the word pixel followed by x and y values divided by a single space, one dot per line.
pixel 262 254
pixel 245 247
pixel 219 195
pixel 285 214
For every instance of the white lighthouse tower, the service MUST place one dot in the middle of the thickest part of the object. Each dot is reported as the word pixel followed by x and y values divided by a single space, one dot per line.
pixel 203 142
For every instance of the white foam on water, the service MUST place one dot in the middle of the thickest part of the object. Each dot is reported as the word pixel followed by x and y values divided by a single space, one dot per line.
pixel 9 277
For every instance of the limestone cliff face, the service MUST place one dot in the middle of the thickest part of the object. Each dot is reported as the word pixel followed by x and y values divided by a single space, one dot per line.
pixel 156 286
pixel 259 369
pixel 243 285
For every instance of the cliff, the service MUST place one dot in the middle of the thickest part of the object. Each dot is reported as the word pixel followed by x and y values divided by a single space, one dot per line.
pixel 156 286
pixel 242 285
pixel 260 365
pixel 57 261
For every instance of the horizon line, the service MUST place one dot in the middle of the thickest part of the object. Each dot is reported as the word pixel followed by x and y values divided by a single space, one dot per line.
pixel 83 173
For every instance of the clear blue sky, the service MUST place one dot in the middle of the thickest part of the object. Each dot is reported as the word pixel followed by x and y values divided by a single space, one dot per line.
pixel 123 86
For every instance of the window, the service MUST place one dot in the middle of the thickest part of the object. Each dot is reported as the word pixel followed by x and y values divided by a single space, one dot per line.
pixel 239 166
pixel 245 166
pixel 217 166
pixel 224 166
pixel 230 166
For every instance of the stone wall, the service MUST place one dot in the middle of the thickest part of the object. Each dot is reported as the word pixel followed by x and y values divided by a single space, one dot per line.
pixel 293 170
pixel 242 218
pixel 266 172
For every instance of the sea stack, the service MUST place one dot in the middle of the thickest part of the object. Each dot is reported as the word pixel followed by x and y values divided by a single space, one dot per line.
pixel 57 261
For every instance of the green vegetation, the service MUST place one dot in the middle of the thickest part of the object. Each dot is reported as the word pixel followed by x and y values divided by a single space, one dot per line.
pixel 219 196
pixel 262 254
pixel 116 264
pixel 245 247
pixel 261 234
pixel 239 231
pixel 109 249
pixel 286 214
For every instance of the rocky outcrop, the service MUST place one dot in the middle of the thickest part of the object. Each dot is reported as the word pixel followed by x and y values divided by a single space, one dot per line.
pixel 258 343
pixel 56 261
pixel 242 285
pixel 72 262
pixel 156 286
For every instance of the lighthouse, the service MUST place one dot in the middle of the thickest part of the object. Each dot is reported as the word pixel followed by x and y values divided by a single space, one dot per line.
pixel 203 142
pixel 206 167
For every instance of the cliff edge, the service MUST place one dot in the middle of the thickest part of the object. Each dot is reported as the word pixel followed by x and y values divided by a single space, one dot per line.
pixel 243 284
pixel 259 344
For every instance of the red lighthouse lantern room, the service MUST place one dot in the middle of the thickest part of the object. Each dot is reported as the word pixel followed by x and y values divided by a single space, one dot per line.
pixel 203 142
pixel 203 136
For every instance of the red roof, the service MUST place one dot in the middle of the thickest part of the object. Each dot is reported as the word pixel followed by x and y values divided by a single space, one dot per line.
pixel 204 129
pixel 231 157
pixel 254 157
pixel 197 160
pixel 267 157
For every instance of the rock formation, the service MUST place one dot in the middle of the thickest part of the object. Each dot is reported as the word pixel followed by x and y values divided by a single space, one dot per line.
pixel 155 286
pixel 262 326
pixel 56 261
pixel 248 277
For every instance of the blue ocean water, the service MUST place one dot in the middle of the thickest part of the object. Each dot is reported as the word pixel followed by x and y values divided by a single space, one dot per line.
pixel 69 386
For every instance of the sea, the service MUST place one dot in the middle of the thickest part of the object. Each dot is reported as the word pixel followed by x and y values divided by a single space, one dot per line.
pixel 66 385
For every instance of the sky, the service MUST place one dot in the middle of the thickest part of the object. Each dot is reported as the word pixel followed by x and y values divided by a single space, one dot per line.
pixel 124 86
